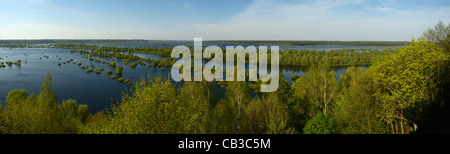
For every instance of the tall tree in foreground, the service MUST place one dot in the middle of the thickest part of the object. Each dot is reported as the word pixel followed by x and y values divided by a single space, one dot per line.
pixel 318 86
pixel 198 94
pixel 356 111
pixel 229 113
pixel 407 82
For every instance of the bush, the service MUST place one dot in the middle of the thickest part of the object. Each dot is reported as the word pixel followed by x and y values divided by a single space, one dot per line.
pixel 112 77
pixel 133 65
pixel 83 112
pixel 162 69
pixel 128 82
pixel 113 64
pixel 109 72
pixel 121 79
pixel 89 71
pixel 295 77
pixel 119 70
pixel 40 114
pixel 319 124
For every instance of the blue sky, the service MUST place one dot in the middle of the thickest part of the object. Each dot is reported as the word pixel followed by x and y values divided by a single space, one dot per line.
pixel 345 20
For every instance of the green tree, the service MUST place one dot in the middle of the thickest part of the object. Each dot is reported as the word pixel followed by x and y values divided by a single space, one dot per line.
pixel 318 86
pixel 24 114
pixel 119 70
pixel 408 81
pixel 319 124
pixel 199 95
pixel 228 113
pixel 152 107
pixel 439 33
pixel 356 110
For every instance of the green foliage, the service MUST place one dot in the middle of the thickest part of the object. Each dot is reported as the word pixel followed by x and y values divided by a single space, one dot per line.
pixel 119 70
pixel 356 110
pixel 439 34
pixel 295 77
pixel 121 79
pixel 319 124
pixel 151 108
pixel 89 71
pixel 229 113
pixel 407 82
pixel 318 87
pixel 31 114
pixel 83 113
pixel 133 65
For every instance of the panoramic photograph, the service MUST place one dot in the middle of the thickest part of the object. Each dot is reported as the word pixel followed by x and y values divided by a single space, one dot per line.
pixel 224 67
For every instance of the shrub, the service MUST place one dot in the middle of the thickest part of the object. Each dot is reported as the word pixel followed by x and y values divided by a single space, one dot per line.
pixel 109 72
pixel 128 82
pixel 112 77
pixel 294 77
pixel 119 70
pixel 113 64
pixel 319 124
pixel 133 65
pixel 89 71
pixel 162 69
pixel 121 79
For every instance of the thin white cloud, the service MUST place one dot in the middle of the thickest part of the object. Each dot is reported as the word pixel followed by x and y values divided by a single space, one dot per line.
pixel 319 20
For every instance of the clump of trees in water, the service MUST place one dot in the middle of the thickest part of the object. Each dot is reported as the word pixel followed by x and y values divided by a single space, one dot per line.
pixel 10 63
pixel 119 70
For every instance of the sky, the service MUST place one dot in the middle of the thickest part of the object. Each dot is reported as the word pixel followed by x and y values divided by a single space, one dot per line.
pixel 332 20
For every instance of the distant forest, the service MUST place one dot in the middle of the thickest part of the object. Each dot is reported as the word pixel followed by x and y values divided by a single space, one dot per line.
pixel 28 43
